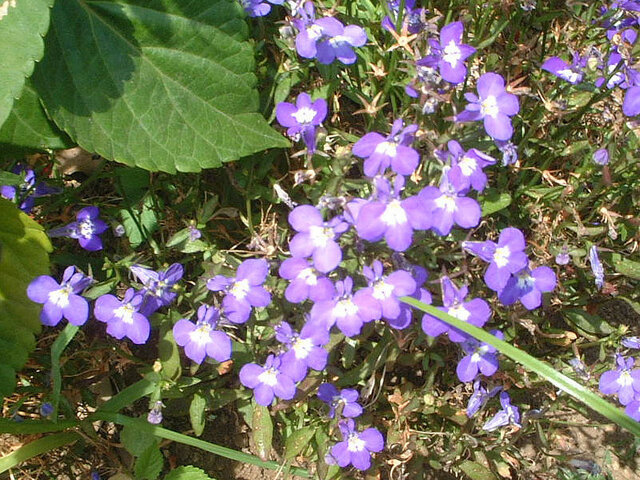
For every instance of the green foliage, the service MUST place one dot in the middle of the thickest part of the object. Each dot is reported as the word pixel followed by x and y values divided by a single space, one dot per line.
pixel 197 413
pixel 24 251
pixel 262 427
pixel 149 464
pixel 187 473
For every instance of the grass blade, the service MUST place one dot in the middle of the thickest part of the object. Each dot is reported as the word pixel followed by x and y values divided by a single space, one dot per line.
pixel 57 348
pixel 37 447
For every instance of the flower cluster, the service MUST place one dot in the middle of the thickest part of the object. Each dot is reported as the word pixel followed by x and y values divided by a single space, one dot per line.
pixel 625 382
pixel 28 190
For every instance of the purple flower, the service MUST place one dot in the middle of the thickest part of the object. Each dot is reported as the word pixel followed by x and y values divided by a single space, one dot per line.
pixel 631 342
pixel 302 118
pixel 633 409
pixel 505 257
pixel 345 399
pixel 194 233
pixel 394 150
pixel 346 310
pixel 563 258
pixel 475 312
pixel 305 281
pixel 46 409
pixel 596 267
pixel 122 317
pixel 61 299
pixel 158 286
pixel 316 238
pixel 601 156
pixel 494 106
pixel 480 358
pixel 527 286
pixel 509 152
pixel 466 167
pixel 356 448
pixel 155 414
pixel 244 291
pixel 87 229
pixel 631 104
pixel 449 53
pixel 624 381
pixel 26 192
pixel 389 217
pixel 386 289
pixel 509 415
pixel 267 382
pixel 412 17
pixel 480 397
pixel 258 8
pixel 448 206
pixel 571 73
pixel 304 350
pixel 201 339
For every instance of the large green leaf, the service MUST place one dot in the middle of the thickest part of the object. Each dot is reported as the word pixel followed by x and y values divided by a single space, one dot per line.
pixel 161 84
pixel 23 256
pixel 28 126
pixel 22 26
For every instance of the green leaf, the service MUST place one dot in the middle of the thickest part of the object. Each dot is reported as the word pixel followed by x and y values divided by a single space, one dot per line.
pixel 196 413
pixel 589 323
pixel 8 178
pixel 23 256
pixel 262 427
pixel 168 351
pixel 297 442
pixel 57 348
pixel 22 26
pixel 187 473
pixel 573 388
pixel 149 464
pixel 136 440
pixel 628 268
pixel 130 394
pixel 162 85
pixel 27 125
pixel 476 471
pixel 139 224
pixel 494 201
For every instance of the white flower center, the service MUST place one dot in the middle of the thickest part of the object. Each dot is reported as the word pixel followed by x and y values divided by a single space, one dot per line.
pixel 452 54
pixel 476 357
pixel 320 236
pixel 345 308
pixel 338 41
pixel 85 228
pixel 446 202
pixel 489 106
pixel 314 31
pixel 569 75
pixel 468 165
pixel 459 312
pixel 201 335
pixel 308 276
pixel 240 289
pixel 304 115
pixel 269 377
pixel 387 148
pixel 501 256
pixel 355 443
pixel 125 313
pixel 525 281
pixel 302 347
pixel 625 379
pixel 382 290
pixel 394 214
pixel 60 297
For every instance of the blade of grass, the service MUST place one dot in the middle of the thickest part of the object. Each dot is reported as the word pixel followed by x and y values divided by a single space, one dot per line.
pixel 57 348
pixel 193 442
pixel 129 395
pixel 35 426
pixel 573 388
pixel 37 447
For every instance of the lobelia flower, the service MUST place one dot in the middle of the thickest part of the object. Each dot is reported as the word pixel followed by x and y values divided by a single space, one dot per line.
pixel 475 312
pixel 449 54
pixel 448 206
pixel 481 358
pixel 304 350
pixel 493 104
pixel 305 281
pixel 158 286
pixel 267 382
pixel 624 381
pixel 86 229
pixel 527 286
pixel 316 238
pixel 505 257
pixel 46 409
pixel 155 414
pixel 244 291
pixel 386 289
pixel 509 152
pixel 258 8
pixel 571 73
pixel 389 217
pixel 509 415
pixel 392 151
pixel 345 400
pixel 201 339
pixel 633 409
pixel 122 317
pixel 356 448
pixel 631 342
pixel 631 103
pixel 346 310
pixel 601 157
pixel 480 397
pixel 412 16
pixel 302 118
pixel 61 300
pixel 26 192
pixel 466 167
pixel 563 258
pixel 596 267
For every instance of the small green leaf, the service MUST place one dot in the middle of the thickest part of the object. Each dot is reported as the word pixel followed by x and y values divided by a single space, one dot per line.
pixel 476 471
pixel 179 237
pixel 297 442
pixel 593 324
pixel 168 351
pixel 628 268
pixel 262 426
pixel 494 201
pixel 196 413
pixel 139 224
pixel 187 473
pixel 135 440
pixel 8 178
pixel 149 464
